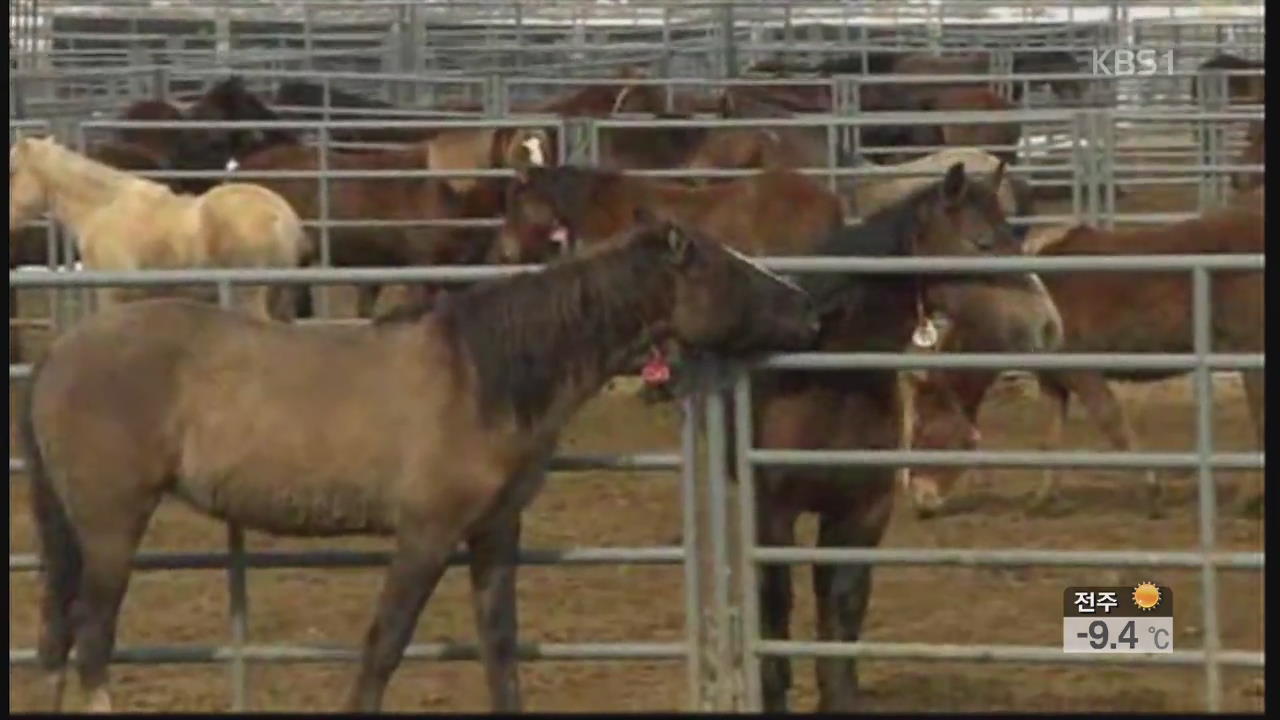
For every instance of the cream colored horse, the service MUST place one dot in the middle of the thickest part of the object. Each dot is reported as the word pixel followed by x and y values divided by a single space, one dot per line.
pixel 125 222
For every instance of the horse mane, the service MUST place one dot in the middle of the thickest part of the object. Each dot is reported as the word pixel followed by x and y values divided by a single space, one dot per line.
pixel 84 168
pixel 885 233
pixel 524 335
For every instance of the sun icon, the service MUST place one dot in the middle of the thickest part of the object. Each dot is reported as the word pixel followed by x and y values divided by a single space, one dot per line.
pixel 1146 596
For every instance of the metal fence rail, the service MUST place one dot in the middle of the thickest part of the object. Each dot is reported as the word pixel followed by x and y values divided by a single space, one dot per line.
pixel 67 70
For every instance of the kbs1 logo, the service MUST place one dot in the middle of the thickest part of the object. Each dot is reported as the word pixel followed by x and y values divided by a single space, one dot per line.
pixel 1132 62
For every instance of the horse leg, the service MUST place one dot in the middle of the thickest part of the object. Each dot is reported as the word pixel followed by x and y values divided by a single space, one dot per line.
pixel 842 591
pixel 15 334
pixel 1104 406
pixel 366 299
pixel 493 596
pixel 775 527
pixel 1255 392
pixel 302 303
pixel 109 538
pixel 419 562
pixel 1061 398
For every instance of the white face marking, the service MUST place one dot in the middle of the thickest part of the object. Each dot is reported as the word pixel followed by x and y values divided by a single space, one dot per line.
pixel 926 334
pixel 536 156
pixel 760 268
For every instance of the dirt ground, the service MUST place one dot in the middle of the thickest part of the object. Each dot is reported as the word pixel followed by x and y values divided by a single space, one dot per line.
pixel 591 604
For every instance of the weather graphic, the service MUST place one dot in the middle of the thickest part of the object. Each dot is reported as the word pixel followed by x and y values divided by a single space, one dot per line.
pixel 1146 596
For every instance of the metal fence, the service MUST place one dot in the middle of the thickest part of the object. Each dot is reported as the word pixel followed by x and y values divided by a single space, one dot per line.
pixel 70 68
pixel 722 653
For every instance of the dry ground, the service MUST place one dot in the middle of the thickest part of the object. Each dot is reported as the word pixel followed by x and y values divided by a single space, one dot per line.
pixel 909 604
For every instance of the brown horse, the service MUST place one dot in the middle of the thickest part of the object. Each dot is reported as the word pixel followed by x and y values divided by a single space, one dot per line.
pixel 860 409
pixel 763 148
pixel 440 431
pixel 552 209
pixel 410 199
pixel 1106 312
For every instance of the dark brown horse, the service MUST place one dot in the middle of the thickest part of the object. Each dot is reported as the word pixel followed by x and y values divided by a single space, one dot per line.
pixel 551 209
pixel 860 409
pixel 439 432
pixel 1106 312
pixel 407 199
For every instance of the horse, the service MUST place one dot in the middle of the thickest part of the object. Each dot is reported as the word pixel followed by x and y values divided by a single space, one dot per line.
pixel 125 222
pixel 440 432
pixel 762 148
pixel 1106 312
pixel 550 210
pixel 871 193
pixel 849 409
pixel 159 141
pixel 1004 135
pixel 412 198
pixel 1241 89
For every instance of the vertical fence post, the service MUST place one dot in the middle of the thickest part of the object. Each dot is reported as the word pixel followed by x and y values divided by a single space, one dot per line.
pixel 695 634
pixel 322 187
pixel 237 582
pixel 1201 321
pixel 748 569
pixel 729 58
pixel 723 609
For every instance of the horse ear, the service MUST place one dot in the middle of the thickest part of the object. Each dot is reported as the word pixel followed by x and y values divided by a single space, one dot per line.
pixel 997 177
pixel 678 244
pixel 953 185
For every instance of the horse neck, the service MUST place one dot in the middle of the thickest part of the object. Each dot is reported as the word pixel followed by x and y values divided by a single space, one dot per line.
pixel 543 344
pixel 80 185
pixel 684 201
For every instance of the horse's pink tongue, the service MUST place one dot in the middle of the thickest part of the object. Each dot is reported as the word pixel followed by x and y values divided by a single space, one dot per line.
pixel 656 371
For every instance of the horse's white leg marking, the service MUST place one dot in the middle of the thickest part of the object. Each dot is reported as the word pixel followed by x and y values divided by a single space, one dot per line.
pixel 56 680
pixel 534 146
pixel 99 701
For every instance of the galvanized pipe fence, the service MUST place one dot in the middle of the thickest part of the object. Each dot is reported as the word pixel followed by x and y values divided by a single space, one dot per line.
pixel 723 644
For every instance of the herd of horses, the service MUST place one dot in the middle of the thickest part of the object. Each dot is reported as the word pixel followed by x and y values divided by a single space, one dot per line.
pixel 270 424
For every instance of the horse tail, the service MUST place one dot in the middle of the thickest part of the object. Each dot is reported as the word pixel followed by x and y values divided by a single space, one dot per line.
pixel 302 251
pixel 60 551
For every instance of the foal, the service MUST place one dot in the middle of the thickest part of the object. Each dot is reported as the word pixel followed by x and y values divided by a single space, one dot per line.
pixel 438 430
